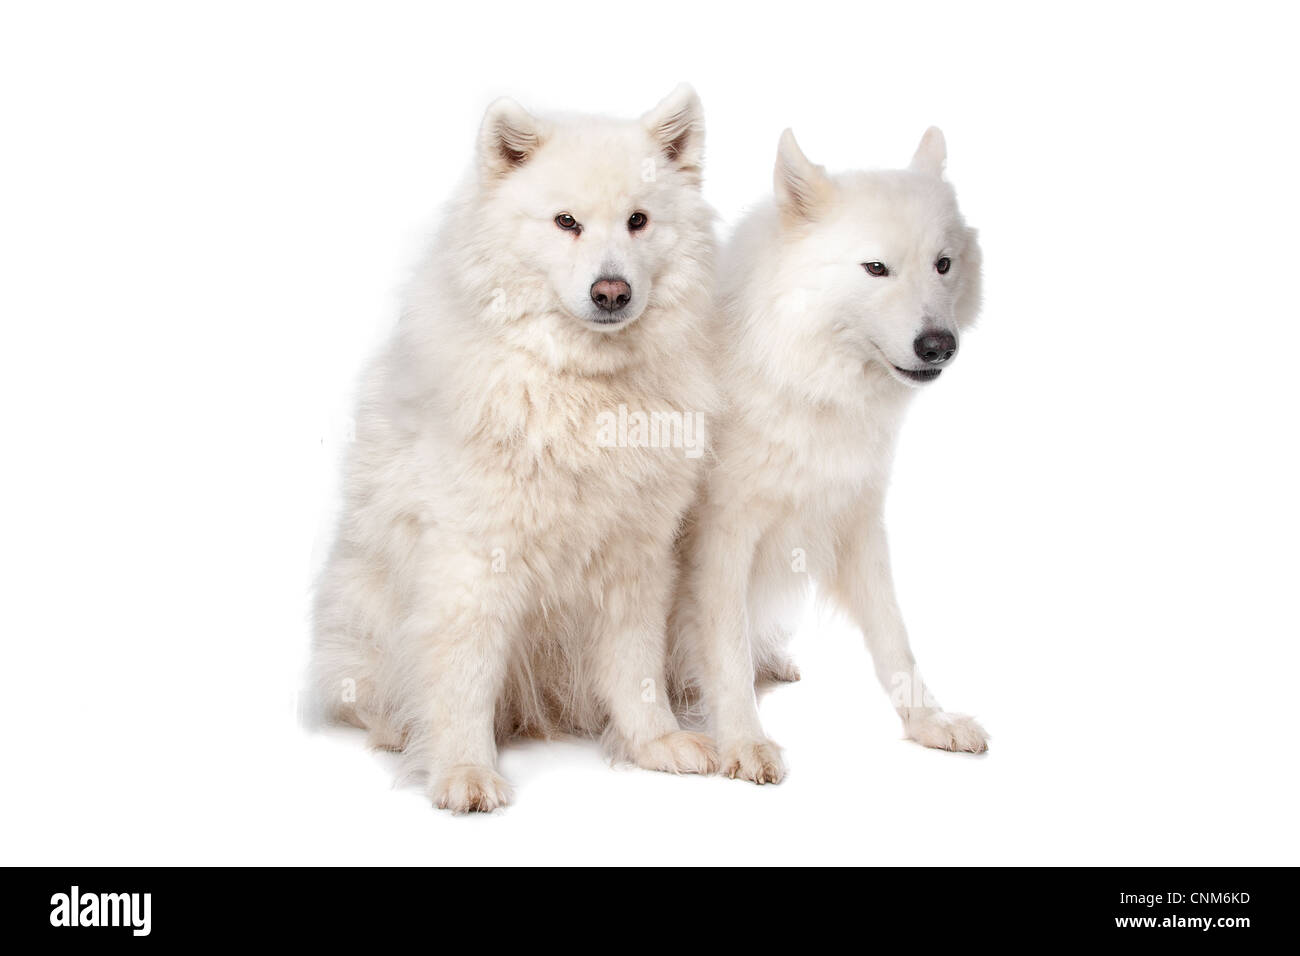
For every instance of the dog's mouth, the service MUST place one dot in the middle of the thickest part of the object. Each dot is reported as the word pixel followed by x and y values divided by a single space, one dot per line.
pixel 918 374
pixel 608 322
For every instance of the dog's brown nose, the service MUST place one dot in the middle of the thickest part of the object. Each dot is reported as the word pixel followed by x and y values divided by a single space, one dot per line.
pixel 611 294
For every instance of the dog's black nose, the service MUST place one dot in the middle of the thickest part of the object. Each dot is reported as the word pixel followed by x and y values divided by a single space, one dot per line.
pixel 611 294
pixel 935 347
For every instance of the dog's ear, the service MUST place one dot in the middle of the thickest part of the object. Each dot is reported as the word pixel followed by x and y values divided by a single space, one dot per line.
pixel 931 154
pixel 677 126
pixel 803 190
pixel 508 136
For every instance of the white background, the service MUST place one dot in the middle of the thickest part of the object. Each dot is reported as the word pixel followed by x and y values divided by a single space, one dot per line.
pixel 207 211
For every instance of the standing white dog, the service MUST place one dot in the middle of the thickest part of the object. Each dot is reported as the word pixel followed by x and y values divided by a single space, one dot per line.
pixel 504 563
pixel 839 299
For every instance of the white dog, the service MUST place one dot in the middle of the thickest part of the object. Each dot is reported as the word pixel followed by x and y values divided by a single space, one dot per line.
pixel 839 300
pixel 504 563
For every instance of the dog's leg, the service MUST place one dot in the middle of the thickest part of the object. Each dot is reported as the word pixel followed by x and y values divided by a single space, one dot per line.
pixel 717 634
pixel 462 746
pixel 630 661
pixel 458 652
pixel 864 585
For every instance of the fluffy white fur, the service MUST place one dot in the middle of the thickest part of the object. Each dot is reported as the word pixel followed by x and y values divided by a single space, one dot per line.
pixel 497 570
pixel 814 356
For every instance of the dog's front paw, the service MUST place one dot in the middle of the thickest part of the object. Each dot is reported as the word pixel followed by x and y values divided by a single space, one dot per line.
pixel 681 751
pixel 469 789
pixel 756 760
pixel 945 731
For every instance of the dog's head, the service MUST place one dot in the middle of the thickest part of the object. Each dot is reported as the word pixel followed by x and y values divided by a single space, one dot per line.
pixel 595 211
pixel 884 259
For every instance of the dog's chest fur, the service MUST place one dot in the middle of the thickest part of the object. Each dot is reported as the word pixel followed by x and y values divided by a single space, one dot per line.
pixel 813 457
pixel 536 468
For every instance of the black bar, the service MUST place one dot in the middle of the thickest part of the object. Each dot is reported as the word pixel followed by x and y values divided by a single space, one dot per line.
pixel 367 906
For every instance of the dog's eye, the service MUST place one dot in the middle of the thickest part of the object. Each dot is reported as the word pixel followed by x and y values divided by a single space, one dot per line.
pixel 567 222
pixel 637 221
pixel 943 265
pixel 876 268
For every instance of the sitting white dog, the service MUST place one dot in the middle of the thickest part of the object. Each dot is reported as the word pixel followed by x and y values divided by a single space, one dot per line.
pixel 505 559
pixel 839 299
